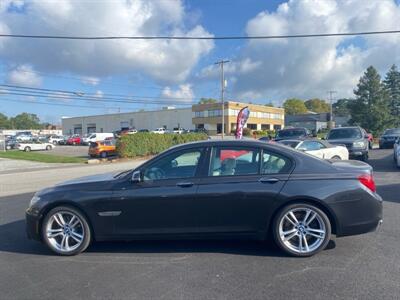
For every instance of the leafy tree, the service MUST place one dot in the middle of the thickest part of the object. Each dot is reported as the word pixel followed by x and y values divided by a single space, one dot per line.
pixel 4 122
pixel 392 85
pixel 270 104
pixel 341 107
pixel 370 109
pixel 317 105
pixel 25 121
pixel 294 106
pixel 207 100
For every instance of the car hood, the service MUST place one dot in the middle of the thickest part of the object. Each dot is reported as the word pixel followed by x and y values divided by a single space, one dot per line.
pixel 90 179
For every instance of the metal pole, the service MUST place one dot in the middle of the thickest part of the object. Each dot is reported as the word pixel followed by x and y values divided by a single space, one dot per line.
pixel 221 63
pixel 331 107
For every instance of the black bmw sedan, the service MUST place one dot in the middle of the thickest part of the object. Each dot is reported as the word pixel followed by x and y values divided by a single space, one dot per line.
pixel 212 189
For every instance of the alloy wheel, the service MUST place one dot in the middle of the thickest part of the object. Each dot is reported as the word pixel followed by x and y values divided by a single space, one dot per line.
pixel 302 230
pixel 65 231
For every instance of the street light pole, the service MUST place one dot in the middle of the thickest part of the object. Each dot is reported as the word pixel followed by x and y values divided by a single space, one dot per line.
pixel 331 107
pixel 221 63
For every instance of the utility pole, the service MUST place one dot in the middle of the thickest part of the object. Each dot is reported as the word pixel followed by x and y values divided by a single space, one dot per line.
pixel 221 63
pixel 331 93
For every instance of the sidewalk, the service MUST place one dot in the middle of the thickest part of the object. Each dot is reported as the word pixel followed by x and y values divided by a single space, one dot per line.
pixel 33 176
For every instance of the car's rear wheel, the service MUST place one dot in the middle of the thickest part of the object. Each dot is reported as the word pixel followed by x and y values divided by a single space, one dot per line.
pixel 301 229
pixel 364 157
pixel 66 231
pixel 48 147
pixel 27 149
pixel 336 157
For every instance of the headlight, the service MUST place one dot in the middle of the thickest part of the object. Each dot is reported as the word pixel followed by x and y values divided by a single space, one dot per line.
pixel 34 200
pixel 360 144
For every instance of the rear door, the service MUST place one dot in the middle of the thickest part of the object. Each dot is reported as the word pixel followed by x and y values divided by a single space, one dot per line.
pixel 239 189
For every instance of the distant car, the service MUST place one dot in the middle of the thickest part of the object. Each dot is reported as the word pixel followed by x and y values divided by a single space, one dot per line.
pixel 292 133
pixel 102 148
pixel 178 130
pixel 98 136
pixel 318 148
pixel 23 137
pixel 56 139
pixel 74 140
pixel 265 139
pixel 64 140
pixel 144 130
pixel 160 130
pixel 354 138
pixel 11 143
pixel 388 138
pixel 34 145
pixel 396 152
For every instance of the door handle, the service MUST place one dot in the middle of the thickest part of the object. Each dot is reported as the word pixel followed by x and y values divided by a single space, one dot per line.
pixel 268 180
pixel 184 184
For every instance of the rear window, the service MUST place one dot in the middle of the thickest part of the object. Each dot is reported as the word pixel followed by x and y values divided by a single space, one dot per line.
pixel 344 133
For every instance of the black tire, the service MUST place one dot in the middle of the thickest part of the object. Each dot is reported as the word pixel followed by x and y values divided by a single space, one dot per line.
pixel 336 157
pixel 27 149
pixel 370 146
pixel 87 236
pixel 322 217
pixel 48 147
pixel 364 157
pixel 103 154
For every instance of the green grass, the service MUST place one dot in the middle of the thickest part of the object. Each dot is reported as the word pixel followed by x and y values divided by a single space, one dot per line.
pixel 40 157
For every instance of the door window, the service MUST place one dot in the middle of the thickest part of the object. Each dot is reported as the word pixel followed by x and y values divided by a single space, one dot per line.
pixel 234 161
pixel 176 165
pixel 274 164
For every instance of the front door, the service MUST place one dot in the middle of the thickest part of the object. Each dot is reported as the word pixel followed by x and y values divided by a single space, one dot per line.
pixel 164 202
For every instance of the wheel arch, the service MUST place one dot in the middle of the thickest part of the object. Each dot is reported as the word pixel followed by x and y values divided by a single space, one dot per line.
pixel 65 203
pixel 331 216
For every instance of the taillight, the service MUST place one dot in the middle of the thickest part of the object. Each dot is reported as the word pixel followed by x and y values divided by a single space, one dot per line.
pixel 368 181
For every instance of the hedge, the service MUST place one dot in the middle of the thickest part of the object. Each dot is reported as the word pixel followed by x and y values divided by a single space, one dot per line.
pixel 144 143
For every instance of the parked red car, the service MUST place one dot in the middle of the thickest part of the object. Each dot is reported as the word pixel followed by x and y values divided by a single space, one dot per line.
pixel 74 140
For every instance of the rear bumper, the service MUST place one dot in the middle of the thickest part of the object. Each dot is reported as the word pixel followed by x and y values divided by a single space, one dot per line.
pixel 358 216
pixel 357 152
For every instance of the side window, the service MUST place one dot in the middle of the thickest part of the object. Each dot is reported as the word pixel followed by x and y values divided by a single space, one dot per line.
pixel 229 161
pixel 311 146
pixel 274 164
pixel 182 164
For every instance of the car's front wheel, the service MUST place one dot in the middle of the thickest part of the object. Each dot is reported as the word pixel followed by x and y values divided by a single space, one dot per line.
pixel 66 231
pixel 301 229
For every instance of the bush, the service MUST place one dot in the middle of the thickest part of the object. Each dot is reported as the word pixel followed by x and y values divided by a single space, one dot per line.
pixel 144 143
pixel 246 131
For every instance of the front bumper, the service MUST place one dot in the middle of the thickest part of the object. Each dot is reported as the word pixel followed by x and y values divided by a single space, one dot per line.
pixel 32 225
pixel 357 152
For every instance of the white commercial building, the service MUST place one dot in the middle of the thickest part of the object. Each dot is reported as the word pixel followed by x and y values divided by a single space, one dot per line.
pixel 168 118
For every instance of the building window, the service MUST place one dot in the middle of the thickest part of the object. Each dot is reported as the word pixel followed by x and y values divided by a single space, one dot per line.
pixel 199 114
pixel 233 112
pixel 265 126
pixel 253 114
pixel 252 126
pixel 215 113
pixel 78 129
pixel 277 127
pixel 200 126
pixel 124 125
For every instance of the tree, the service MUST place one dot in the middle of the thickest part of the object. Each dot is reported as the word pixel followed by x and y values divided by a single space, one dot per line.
pixel 294 106
pixel 317 105
pixel 25 121
pixel 370 109
pixel 270 104
pixel 4 122
pixel 341 107
pixel 207 100
pixel 392 86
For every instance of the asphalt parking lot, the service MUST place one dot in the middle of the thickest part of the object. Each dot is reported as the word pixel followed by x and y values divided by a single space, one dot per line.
pixel 360 267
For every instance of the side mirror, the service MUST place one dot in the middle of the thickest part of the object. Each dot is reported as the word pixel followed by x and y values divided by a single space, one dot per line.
pixel 366 136
pixel 137 176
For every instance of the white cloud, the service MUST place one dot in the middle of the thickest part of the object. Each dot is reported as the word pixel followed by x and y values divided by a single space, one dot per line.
pixel 99 94
pixel 157 59
pixel 184 93
pixel 24 75
pixel 90 80
pixel 309 67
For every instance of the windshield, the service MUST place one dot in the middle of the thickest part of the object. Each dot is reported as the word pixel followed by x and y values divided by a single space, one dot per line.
pixel 344 133
pixel 292 144
pixel 392 131
pixel 290 133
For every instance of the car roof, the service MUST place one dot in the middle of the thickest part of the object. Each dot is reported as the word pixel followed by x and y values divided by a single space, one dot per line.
pixel 291 128
pixel 347 127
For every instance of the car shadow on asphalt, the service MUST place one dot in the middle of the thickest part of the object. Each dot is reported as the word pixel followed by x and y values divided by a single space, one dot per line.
pixel 389 193
pixel 13 239
pixel 383 164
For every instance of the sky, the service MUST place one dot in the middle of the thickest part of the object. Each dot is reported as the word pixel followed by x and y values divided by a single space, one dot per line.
pixel 177 73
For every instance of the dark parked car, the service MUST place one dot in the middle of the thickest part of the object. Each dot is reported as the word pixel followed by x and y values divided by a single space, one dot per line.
pixel 218 189
pixel 292 133
pixel 11 143
pixel 389 137
pixel 354 138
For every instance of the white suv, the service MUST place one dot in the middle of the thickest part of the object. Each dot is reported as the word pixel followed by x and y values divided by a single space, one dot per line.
pixel 160 130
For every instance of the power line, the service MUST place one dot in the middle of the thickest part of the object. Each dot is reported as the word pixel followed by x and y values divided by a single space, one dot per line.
pixel 259 37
